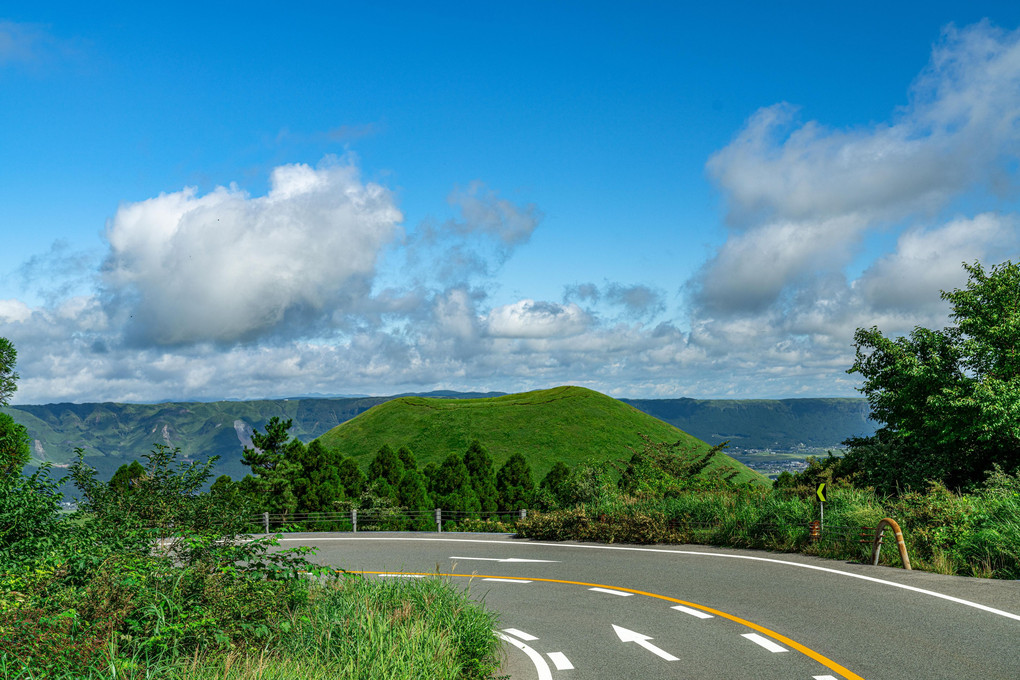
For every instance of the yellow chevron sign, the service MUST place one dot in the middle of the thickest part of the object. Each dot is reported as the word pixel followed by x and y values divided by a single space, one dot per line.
pixel 820 492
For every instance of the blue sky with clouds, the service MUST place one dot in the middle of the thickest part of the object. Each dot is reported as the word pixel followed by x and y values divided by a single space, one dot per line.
pixel 649 200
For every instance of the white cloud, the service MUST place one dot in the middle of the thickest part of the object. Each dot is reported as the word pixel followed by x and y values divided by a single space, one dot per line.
pixel 531 319
pixel 227 266
pixel 804 201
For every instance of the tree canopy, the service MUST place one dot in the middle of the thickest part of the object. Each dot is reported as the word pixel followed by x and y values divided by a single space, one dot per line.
pixel 948 400
pixel 8 378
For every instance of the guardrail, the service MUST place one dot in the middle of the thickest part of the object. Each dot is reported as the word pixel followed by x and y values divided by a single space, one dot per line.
pixel 382 519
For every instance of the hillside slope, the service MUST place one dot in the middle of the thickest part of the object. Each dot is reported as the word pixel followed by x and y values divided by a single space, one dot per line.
pixel 568 424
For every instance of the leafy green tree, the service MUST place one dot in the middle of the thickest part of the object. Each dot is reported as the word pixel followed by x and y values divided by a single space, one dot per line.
pixel 483 476
pixel 453 490
pixel 127 477
pixel 555 481
pixel 386 465
pixel 15 446
pixel 407 458
pixel 319 486
pixel 948 400
pixel 351 478
pixel 514 483
pixel 8 378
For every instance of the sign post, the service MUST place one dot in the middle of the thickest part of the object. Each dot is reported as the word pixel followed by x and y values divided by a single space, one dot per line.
pixel 820 492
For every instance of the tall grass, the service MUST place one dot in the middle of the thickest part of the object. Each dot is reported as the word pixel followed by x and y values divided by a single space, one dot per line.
pixel 967 534
pixel 351 628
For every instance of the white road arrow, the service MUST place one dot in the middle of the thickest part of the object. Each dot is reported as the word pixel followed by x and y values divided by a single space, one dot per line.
pixel 496 559
pixel 643 640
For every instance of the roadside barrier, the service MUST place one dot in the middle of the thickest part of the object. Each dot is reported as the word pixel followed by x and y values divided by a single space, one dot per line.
pixel 387 519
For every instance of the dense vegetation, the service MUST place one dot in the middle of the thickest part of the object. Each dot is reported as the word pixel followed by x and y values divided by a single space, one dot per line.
pixel 152 577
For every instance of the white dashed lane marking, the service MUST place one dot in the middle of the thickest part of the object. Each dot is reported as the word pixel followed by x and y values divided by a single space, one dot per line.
pixel 507 580
pixel 764 642
pixel 611 592
pixel 693 612
pixel 520 634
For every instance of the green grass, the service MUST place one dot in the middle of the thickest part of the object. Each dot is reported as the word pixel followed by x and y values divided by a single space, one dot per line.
pixel 565 424
pixel 351 628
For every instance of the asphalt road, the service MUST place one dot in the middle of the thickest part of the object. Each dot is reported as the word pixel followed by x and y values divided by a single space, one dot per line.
pixel 584 610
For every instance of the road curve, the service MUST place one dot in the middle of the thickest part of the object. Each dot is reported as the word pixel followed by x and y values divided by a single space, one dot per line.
pixel 586 610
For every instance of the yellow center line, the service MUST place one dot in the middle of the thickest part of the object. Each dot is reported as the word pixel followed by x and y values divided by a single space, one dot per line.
pixel 825 661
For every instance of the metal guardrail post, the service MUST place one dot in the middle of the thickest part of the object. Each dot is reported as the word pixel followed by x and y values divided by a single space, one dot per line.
pixel 439 520
pixel 265 521
pixel 877 544
pixel 354 519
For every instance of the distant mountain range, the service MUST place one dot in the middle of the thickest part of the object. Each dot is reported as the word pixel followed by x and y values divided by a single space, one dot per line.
pixel 112 434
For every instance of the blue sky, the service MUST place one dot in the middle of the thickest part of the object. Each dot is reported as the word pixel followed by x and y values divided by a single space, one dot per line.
pixel 649 200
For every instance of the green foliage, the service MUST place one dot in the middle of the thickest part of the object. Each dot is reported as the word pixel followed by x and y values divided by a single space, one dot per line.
pixel 483 478
pixel 949 400
pixel 451 488
pixel 127 477
pixel 162 571
pixel 29 517
pixel 15 446
pixel 351 478
pixel 386 465
pixel 514 484
pixel 664 470
pixel 8 378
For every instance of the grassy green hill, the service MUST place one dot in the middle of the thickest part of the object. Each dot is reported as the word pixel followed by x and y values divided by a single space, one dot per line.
pixel 568 424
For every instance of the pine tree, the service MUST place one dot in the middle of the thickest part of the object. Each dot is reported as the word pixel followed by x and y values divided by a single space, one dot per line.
pixel 386 465
pixel 453 490
pixel 514 484
pixel 483 476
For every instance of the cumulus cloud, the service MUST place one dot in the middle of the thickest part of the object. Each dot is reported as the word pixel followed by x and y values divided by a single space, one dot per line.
pixel 531 319
pixel 227 266
pixel 802 197
pixel 806 201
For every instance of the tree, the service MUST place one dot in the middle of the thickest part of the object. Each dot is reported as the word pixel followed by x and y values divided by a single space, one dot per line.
pixel 386 465
pixel 407 458
pixel 274 458
pixel 127 477
pixel 948 400
pixel 8 378
pixel 514 484
pixel 483 478
pixel 351 478
pixel 452 486
pixel 555 481
pixel 15 446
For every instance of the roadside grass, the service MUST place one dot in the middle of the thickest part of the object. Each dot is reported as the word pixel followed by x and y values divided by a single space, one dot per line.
pixel 974 534
pixel 350 628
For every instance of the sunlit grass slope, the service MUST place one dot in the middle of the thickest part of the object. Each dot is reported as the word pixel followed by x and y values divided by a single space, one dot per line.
pixel 568 424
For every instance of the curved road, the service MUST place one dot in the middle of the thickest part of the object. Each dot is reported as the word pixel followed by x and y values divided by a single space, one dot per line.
pixel 584 610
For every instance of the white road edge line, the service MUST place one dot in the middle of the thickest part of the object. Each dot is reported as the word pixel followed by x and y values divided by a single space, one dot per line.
pixel 611 592
pixel 765 642
pixel 527 637
pixel 824 677
pixel 560 660
pixel 400 575
pixel 932 593
pixel 540 665
pixel 693 612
